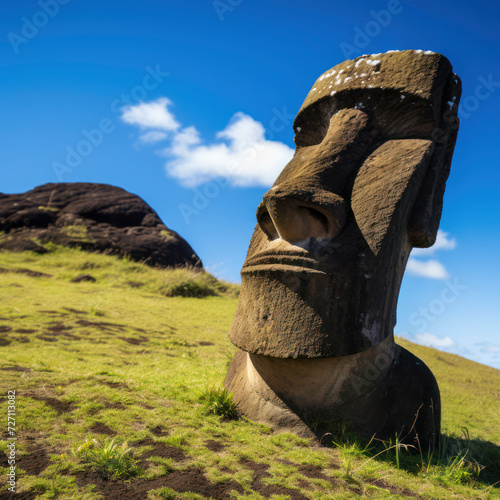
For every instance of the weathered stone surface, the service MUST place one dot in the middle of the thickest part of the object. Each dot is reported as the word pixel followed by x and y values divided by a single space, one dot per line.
pixel 368 393
pixel 96 217
pixel 320 283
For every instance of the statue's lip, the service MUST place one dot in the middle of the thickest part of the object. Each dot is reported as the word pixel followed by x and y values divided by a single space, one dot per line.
pixel 282 262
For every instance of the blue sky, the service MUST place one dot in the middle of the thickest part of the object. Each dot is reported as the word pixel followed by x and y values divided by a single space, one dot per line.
pixel 157 95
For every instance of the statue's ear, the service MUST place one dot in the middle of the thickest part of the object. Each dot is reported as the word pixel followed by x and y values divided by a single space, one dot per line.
pixel 426 213
pixel 386 186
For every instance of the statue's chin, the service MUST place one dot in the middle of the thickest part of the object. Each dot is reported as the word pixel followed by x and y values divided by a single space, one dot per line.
pixel 292 314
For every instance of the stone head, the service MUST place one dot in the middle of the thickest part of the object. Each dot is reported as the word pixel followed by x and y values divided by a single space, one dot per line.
pixel 374 140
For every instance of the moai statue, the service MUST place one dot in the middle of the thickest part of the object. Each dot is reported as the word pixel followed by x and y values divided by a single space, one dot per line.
pixel 314 323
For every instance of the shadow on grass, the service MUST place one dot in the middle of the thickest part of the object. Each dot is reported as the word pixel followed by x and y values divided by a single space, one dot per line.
pixel 457 459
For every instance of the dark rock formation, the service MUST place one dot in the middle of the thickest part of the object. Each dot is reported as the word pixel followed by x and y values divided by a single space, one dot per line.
pixel 320 283
pixel 95 217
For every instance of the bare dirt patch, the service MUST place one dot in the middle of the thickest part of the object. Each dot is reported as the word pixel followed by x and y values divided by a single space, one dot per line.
pixel 114 385
pixel 394 490
pixel 112 405
pixel 134 284
pixel 102 325
pixel 59 327
pixel 46 338
pixel 214 445
pixel 135 340
pixel 25 330
pixel 315 472
pixel 159 430
pixel 15 368
pixel 28 272
pixel 27 495
pixel 83 277
pixel 100 428
pixel 162 450
pixel 267 490
pixel 59 406
pixel 192 480
pixel 74 311
pixel 35 462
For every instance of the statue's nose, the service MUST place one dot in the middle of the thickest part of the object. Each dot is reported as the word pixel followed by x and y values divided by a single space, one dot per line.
pixel 295 215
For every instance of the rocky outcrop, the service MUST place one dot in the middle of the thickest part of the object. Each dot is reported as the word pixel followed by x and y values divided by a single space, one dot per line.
pixel 95 217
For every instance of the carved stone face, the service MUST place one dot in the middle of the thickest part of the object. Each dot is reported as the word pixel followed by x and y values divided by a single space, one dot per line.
pixel 365 185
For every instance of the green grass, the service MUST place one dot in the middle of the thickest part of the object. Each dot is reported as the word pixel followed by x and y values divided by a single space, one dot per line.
pixel 121 358
pixel 219 402
pixel 76 231
pixel 49 209
pixel 108 459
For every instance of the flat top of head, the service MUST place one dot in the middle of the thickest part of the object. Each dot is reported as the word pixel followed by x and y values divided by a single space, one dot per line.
pixel 416 74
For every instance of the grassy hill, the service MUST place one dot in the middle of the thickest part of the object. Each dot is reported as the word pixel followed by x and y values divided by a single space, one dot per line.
pixel 117 395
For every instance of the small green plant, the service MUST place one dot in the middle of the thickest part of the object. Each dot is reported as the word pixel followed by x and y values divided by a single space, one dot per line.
pixel 193 282
pixel 109 459
pixel 163 494
pixel 77 231
pixel 188 282
pixel 348 467
pixel 168 235
pixel 48 209
pixel 50 246
pixel 455 461
pixel 219 402
pixel 95 312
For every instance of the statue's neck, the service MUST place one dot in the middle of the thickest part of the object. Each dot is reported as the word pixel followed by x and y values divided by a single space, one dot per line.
pixel 336 380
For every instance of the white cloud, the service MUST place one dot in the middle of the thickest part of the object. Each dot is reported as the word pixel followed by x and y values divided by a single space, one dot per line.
pixel 427 269
pixel 153 114
pixel 488 347
pixel 153 136
pixel 431 340
pixel 446 343
pixel 431 268
pixel 240 152
pixel 242 155
pixel 443 242
pixel 485 352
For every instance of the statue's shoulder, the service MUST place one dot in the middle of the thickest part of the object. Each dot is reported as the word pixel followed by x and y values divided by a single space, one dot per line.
pixel 409 368
pixel 412 396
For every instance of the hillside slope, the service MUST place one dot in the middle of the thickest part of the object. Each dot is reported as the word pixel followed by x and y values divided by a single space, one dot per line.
pixel 123 357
